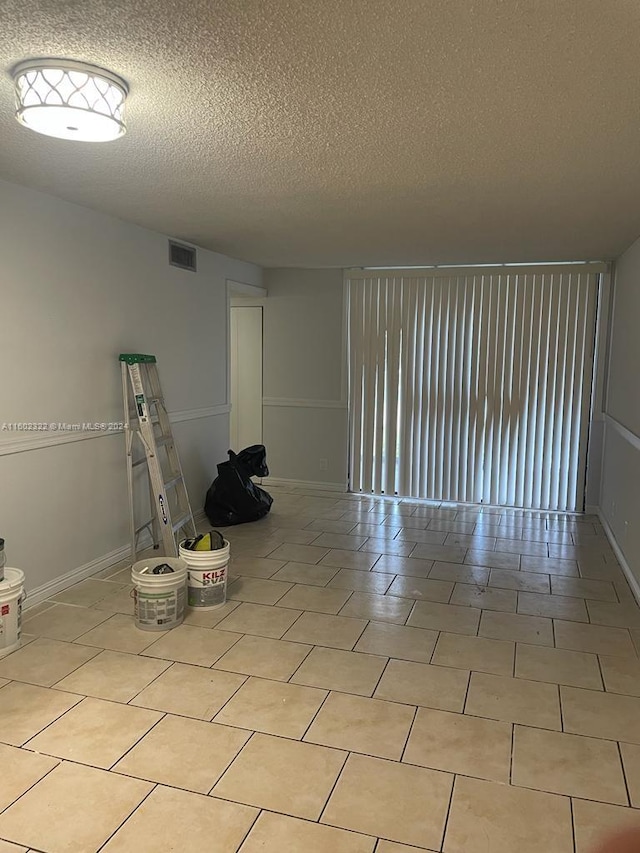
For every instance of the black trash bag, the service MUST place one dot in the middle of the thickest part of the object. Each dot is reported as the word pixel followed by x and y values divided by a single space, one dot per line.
pixel 254 459
pixel 233 497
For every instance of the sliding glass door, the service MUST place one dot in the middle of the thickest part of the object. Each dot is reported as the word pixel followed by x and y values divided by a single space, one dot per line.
pixel 472 385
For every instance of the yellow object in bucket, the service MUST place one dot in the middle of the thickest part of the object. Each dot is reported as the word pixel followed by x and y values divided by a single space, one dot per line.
pixel 211 541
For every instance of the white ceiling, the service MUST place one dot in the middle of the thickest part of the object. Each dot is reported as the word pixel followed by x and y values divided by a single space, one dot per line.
pixel 351 132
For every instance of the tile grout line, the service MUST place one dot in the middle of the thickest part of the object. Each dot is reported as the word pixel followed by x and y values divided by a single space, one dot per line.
pixel 231 763
pixel 445 827
pixel 302 662
pixel 573 825
pixel 142 689
pixel 314 717
pixel 624 775
pixel 250 828
pixel 81 699
pixel 380 677
pixel 75 669
pixel 466 695
pixel 348 755
pixel 409 731
pixel 435 646
pixel 601 671
pixel 31 787
pixel 511 752
pixel 133 746
pixel 130 815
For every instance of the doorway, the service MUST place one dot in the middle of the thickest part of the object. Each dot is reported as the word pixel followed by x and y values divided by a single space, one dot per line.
pixel 245 375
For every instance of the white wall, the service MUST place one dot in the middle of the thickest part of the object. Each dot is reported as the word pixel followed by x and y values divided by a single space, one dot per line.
pixel 305 409
pixel 77 288
pixel 620 488
pixel 597 424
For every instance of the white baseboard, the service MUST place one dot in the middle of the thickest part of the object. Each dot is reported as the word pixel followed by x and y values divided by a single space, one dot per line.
pixel 626 568
pixel 304 484
pixel 53 587
pixel 59 584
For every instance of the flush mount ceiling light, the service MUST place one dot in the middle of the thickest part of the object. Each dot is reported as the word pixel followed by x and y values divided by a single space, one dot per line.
pixel 70 100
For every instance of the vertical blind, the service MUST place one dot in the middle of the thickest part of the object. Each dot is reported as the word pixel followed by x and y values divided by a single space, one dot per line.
pixel 472 385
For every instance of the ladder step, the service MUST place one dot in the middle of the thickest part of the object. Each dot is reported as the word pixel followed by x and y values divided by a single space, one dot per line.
pixel 173 482
pixel 163 440
pixel 186 519
pixel 144 526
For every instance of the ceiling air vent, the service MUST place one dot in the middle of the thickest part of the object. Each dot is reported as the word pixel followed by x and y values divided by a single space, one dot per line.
pixel 182 256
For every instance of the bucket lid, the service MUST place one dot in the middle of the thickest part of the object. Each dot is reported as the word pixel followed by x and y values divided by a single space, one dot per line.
pixel 13 578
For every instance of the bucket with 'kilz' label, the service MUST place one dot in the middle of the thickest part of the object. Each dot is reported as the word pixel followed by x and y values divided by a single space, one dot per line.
pixel 206 576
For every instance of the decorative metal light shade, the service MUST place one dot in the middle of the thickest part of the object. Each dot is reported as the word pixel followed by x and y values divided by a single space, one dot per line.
pixel 70 100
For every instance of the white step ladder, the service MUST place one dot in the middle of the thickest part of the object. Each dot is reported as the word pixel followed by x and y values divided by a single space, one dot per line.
pixel 145 416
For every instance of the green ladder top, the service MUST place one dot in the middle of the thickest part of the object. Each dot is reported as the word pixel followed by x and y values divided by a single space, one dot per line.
pixel 137 358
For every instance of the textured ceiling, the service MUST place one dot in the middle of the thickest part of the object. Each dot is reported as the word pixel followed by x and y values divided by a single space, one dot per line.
pixel 351 132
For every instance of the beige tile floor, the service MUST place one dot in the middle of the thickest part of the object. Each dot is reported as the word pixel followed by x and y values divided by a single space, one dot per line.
pixel 387 676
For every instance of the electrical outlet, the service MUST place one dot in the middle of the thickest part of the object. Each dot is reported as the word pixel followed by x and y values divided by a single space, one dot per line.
pixel 324 464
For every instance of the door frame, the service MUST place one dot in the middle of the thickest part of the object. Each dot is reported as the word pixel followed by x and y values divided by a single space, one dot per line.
pixel 249 296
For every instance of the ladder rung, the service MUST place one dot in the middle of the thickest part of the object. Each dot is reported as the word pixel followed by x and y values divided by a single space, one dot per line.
pixel 173 482
pixel 181 522
pixel 140 461
pixel 144 526
pixel 164 440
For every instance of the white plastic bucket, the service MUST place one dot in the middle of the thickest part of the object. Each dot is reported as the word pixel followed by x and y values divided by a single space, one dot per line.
pixel 159 599
pixel 11 598
pixel 207 576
